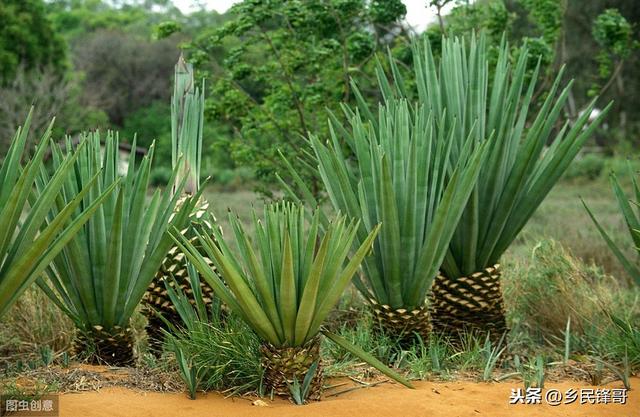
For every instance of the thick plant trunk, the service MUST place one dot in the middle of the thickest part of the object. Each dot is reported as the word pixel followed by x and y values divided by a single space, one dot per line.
pixel 156 299
pixel 102 346
pixel 402 323
pixel 469 304
pixel 174 267
pixel 283 365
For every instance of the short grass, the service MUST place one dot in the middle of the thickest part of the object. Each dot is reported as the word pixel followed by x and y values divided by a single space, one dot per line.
pixel 562 217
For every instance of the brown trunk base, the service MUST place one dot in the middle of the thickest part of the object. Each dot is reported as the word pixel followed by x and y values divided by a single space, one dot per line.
pixel 112 347
pixel 469 304
pixel 282 366
pixel 402 324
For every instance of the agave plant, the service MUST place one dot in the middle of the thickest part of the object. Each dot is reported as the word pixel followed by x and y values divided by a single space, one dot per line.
pixel 630 210
pixel 529 147
pixel 285 286
pixel 187 116
pixel 400 176
pixel 101 275
pixel 28 243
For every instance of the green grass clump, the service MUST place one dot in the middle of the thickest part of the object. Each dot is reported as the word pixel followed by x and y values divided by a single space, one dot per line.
pixel 215 350
pixel 225 354
pixel 364 334
pixel 551 286
pixel 34 323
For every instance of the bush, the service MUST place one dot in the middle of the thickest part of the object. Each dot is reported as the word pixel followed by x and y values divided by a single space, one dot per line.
pixel 124 72
pixel 620 166
pixel 543 292
pixel 229 178
pixel 590 167
pixel 160 176
pixel 34 322
pixel 148 124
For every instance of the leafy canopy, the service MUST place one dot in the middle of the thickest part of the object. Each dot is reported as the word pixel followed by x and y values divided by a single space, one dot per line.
pixel 282 63
pixel 27 38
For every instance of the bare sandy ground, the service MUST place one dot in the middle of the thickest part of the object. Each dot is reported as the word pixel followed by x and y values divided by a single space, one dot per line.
pixel 443 399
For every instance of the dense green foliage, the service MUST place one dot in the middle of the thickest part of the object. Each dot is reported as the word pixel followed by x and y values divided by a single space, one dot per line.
pixel 278 65
pixel 75 18
pixel 27 38
pixel 124 73
pixel 614 35
pixel 273 68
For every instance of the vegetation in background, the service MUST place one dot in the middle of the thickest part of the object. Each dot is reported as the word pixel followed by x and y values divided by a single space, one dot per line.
pixel 588 167
pixel 277 65
pixel 614 35
pixel 630 210
pixel 55 95
pixel 35 69
pixel 28 39
pixel 248 82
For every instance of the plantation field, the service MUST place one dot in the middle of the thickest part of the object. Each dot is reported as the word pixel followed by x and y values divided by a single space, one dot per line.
pixel 319 207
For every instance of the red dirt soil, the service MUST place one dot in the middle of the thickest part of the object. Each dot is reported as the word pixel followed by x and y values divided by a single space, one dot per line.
pixel 443 399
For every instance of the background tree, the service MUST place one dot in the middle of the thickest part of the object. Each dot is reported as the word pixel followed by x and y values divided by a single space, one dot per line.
pixel 123 73
pixel 277 65
pixel 598 46
pixel 75 18
pixel 123 56
pixel 35 70
pixel 27 38
pixel 52 95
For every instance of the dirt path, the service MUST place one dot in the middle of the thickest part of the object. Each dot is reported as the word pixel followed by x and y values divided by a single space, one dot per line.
pixel 429 399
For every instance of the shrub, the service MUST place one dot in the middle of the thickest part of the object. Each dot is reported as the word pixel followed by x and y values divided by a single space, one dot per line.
pixel 589 167
pixel 551 286
pixel 160 176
